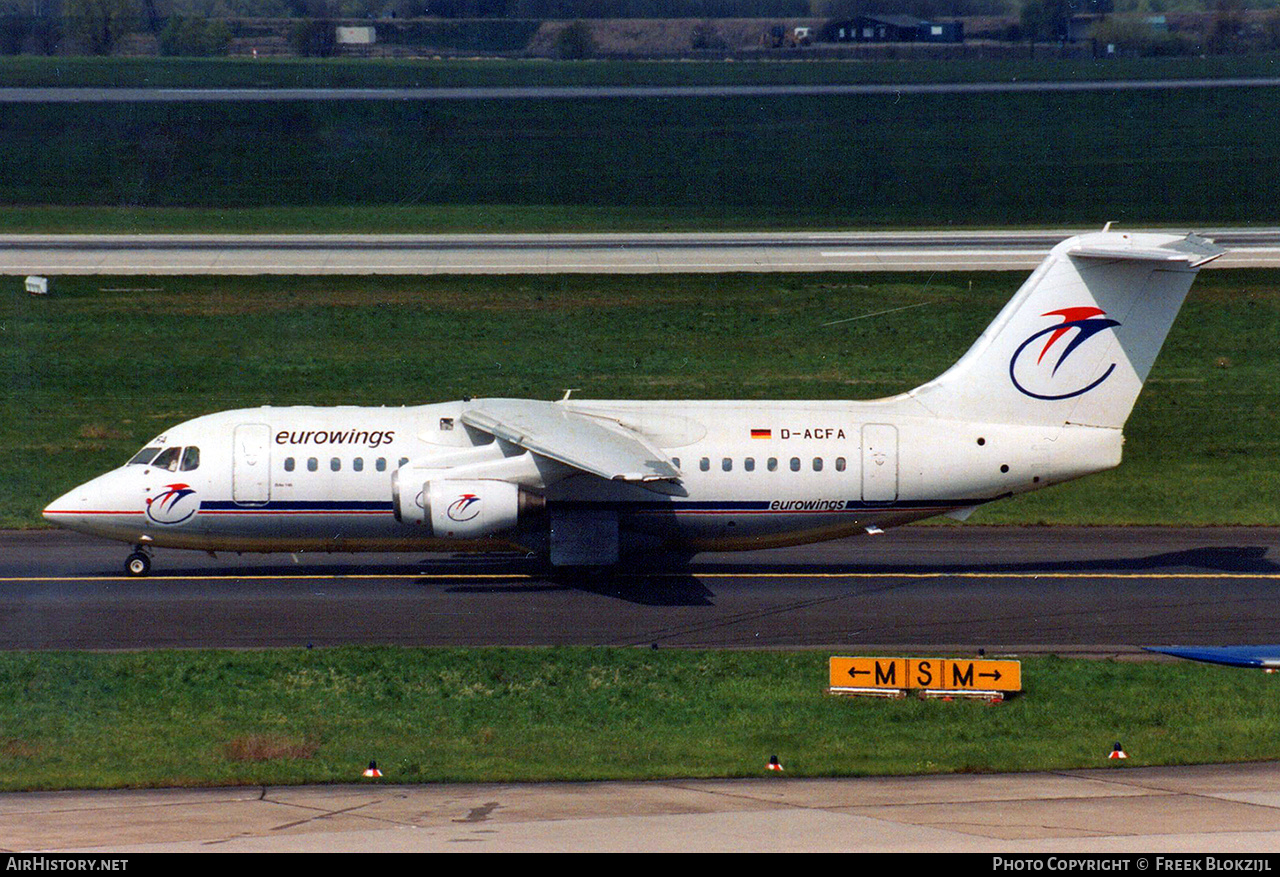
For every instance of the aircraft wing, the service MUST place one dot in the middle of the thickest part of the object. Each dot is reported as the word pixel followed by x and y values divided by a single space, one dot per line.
pixel 1231 656
pixel 602 448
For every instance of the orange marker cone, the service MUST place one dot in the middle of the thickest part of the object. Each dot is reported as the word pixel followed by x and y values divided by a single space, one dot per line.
pixel 1118 752
pixel 774 763
pixel 372 770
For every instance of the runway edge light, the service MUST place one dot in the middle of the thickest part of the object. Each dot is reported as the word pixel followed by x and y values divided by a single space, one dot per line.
pixel 774 764
pixel 1117 752
pixel 372 770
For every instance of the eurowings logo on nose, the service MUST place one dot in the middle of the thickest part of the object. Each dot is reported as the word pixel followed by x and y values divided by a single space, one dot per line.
pixel 464 508
pixel 1040 379
pixel 169 508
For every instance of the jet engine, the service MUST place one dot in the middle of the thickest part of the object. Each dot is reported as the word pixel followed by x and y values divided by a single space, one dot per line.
pixel 463 508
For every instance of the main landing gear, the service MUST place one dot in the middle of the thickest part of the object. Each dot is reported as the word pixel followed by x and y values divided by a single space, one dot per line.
pixel 138 563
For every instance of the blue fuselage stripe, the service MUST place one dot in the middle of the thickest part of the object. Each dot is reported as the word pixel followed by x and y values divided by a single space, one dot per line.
pixel 779 506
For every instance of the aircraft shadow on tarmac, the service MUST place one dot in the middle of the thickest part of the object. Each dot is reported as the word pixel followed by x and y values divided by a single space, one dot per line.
pixel 672 580
pixel 675 582
pixel 1224 559
pixel 667 590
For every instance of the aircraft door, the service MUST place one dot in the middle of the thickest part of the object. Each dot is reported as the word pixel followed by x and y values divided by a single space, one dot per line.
pixel 879 462
pixel 251 464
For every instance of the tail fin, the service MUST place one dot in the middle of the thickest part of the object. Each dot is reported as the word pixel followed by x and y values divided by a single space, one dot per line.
pixel 1076 343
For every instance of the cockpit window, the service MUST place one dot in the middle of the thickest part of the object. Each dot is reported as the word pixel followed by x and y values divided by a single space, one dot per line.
pixel 144 456
pixel 168 459
pixel 190 458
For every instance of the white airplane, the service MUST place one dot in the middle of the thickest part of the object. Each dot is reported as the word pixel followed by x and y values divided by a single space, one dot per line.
pixel 1040 398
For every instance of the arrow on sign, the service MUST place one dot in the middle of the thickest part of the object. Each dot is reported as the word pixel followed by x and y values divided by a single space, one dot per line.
pixel 995 675
pixel 856 673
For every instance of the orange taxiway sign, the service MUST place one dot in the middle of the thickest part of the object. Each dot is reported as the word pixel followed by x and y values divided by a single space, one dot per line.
pixel 947 674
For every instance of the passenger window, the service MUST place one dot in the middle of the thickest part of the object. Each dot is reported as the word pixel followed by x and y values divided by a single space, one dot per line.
pixel 288 464
pixel 795 464
pixel 144 456
pixel 839 464
pixel 675 461
pixel 168 459
pixel 726 464
pixel 705 464
pixel 358 464
pixel 773 464
pixel 749 464
pixel 312 464
pixel 404 460
pixel 190 458
pixel 817 464
pixel 335 464
pixel 381 464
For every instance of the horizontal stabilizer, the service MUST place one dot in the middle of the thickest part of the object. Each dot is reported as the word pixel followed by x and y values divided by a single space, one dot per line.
pixel 552 431
pixel 1193 251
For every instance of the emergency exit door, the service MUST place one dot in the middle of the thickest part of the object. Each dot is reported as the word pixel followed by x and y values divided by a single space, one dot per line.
pixel 251 464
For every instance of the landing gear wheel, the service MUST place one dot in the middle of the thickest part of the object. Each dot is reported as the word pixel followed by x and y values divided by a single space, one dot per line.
pixel 137 564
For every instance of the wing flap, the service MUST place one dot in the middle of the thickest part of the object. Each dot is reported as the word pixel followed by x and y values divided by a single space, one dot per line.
pixel 586 443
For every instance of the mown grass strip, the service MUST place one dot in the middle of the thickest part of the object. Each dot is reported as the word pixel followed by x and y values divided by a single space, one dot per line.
pixel 90 375
pixel 33 72
pixel 204 718
pixel 387 219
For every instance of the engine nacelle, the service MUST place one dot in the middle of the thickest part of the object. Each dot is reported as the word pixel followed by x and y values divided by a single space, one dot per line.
pixel 463 508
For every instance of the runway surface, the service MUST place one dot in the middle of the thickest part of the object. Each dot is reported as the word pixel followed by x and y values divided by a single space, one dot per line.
pixel 598 92
pixel 1035 589
pixel 1231 809
pixel 572 253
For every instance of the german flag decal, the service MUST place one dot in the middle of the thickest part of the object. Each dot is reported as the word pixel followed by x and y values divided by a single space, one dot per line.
pixel 762 433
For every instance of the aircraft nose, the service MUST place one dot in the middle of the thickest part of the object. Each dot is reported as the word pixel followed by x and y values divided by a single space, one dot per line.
pixel 99 507
pixel 87 505
pixel 68 506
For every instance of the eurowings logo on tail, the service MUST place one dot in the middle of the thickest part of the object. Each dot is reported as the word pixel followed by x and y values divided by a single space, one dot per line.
pixel 169 508
pixel 1038 378
pixel 464 508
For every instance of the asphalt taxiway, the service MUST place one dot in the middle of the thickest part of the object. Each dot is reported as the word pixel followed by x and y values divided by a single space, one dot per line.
pixel 1076 590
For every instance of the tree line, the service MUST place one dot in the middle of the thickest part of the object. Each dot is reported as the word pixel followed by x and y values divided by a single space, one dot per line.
pixel 206 27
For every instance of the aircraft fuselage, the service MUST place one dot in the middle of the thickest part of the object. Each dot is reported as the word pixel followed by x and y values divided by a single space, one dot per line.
pixel 303 478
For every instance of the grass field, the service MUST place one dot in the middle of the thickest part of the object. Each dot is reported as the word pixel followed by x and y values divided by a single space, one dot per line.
pixel 367 219
pixel 1194 157
pixel 97 369
pixel 203 718
pixel 29 71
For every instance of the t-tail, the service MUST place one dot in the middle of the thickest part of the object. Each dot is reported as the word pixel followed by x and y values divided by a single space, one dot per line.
pixel 1076 343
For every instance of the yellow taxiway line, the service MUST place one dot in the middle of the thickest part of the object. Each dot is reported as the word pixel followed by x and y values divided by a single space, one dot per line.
pixel 1274 576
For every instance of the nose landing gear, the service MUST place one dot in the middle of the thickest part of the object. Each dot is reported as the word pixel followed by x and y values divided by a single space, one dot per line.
pixel 138 563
